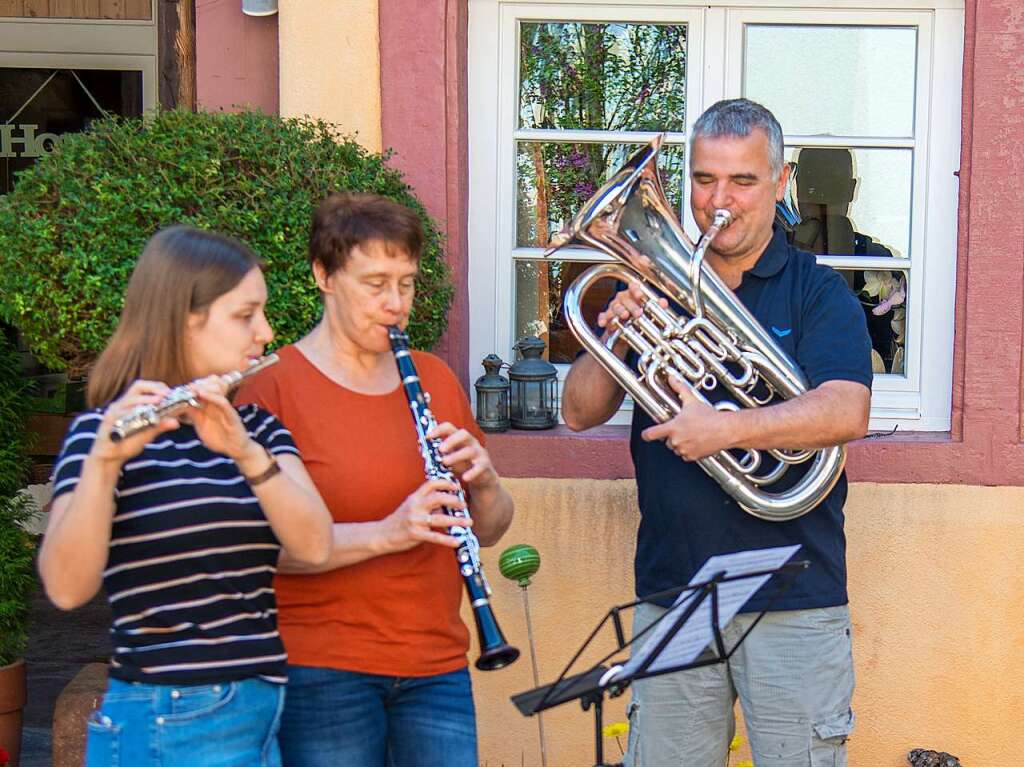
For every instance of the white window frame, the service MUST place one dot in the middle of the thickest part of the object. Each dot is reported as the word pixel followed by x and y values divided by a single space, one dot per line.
pixel 918 401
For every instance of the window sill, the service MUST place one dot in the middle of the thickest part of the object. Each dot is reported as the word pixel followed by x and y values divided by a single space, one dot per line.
pixel 603 453
pixel 598 453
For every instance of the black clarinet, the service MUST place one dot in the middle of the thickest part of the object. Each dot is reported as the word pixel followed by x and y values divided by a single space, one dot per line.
pixel 495 652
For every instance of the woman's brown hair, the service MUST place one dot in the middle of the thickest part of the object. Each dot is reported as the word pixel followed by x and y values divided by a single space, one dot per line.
pixel 181 271
pixel 345 220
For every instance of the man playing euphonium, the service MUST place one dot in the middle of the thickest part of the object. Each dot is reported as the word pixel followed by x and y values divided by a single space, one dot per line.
pixel 794 674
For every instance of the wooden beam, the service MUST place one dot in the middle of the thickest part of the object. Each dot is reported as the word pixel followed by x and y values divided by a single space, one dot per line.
pixel 12 8
pixel 86 9
pixel 37 9
pixel 77 9
pixel 62 9
pixel 138 9
pixel 185 48
pixel 112 9
pixel 176 22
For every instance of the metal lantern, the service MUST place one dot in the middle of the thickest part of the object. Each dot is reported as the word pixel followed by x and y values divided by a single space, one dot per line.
pixel 534 384
pixel 492 395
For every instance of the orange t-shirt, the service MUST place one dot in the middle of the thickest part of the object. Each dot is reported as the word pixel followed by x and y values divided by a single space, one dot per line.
pixel 396 614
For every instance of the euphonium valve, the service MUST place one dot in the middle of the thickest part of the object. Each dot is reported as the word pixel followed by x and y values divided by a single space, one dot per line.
pixel 710 340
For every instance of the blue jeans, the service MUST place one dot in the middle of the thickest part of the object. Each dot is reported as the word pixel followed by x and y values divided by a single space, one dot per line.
pixel 338 718
pixel 232 724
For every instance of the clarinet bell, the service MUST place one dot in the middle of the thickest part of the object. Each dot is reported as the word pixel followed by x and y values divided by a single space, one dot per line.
pixel 495 652
pixel 497 657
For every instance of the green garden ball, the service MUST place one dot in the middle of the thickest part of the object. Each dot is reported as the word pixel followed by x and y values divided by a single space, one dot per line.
pixel 519 563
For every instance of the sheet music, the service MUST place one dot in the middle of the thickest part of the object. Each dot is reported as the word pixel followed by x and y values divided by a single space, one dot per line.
pixel 696 633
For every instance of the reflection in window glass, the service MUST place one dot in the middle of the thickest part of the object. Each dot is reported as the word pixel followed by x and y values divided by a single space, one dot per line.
pixel 883 296
pixel 39 105
pixel 555 179
pixel 540 286
pixel 602 76
pixel 832 80
pixel 853 201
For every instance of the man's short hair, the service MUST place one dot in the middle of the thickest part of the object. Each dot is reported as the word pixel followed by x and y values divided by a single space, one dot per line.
pixel 345 220
pixel 737 118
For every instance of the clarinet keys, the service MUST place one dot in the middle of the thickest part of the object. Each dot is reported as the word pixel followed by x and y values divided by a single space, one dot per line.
pixel 495 652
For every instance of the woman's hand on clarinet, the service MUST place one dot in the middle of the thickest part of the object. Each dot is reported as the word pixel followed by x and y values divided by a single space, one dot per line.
pixel 465 456
pixel 218 424
pixel 139 394
pixel 421 518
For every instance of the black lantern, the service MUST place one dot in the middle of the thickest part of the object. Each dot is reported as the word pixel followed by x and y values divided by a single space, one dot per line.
pixel 492 396
pixel 534 387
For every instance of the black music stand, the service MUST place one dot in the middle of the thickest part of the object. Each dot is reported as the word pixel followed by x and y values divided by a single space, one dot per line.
pixel 590 686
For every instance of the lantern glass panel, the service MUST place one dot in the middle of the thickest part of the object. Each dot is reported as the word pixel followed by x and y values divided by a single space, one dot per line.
pixel 533 404
pixel 492 409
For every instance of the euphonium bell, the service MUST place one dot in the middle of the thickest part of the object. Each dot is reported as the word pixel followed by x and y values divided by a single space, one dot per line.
pixel 714 345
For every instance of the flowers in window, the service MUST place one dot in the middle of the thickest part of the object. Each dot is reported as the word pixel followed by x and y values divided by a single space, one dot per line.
pixel 889 290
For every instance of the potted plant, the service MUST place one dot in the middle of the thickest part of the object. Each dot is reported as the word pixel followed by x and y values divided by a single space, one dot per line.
pixel 17 550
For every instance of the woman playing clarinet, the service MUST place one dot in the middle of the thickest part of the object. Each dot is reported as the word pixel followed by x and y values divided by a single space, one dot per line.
pixel 377 650
pixel 182 522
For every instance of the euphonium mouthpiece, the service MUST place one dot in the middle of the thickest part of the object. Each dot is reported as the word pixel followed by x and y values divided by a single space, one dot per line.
pixel 723 218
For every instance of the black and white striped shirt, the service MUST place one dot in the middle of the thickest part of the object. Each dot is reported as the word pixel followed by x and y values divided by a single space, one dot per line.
pixel 192 558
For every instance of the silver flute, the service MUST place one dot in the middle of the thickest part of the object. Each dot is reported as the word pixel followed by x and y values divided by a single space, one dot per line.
pixel 178 399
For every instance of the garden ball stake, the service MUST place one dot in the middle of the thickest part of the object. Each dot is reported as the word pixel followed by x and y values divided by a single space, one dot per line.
pixel 520 563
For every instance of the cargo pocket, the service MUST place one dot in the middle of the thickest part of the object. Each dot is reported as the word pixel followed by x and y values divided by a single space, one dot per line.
pixel 103 741
pixel 633 757
pixel 828 747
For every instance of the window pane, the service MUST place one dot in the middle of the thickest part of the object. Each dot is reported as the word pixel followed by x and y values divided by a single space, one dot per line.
pixel 602 76
pixel 831 80
pixel 853 201
pixel 540 285
pixel 555 179
pixel 42 104
pixel 883 296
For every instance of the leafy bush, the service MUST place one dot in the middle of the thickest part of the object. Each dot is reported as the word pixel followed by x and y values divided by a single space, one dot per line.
pixel 74 225
pixel 17 547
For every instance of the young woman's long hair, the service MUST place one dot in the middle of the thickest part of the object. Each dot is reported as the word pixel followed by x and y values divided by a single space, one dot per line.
pixel 182 270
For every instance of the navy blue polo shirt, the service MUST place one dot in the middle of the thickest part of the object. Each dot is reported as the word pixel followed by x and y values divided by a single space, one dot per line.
pixel 686 517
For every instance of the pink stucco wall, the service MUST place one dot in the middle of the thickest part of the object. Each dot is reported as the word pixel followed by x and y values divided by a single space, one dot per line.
pixel 985 445
pixel 423 119
pixel 236 57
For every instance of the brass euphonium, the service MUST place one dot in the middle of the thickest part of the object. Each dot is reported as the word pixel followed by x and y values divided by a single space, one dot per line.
pixel 714 343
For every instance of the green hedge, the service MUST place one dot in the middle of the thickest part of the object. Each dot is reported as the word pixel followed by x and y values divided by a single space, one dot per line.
pixel 71 230
pixel 17 547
